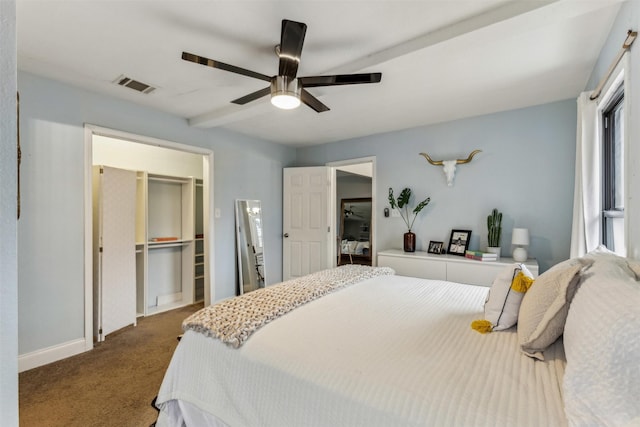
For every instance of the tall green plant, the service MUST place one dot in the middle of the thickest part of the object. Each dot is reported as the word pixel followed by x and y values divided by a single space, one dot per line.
pixel 494 224
pixel 402 205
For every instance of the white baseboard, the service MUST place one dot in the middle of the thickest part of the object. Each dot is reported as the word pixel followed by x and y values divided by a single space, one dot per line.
pixel 51 354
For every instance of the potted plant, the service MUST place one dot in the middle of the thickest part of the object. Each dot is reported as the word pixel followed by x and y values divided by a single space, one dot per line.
pixel 402 205
pixel 494 225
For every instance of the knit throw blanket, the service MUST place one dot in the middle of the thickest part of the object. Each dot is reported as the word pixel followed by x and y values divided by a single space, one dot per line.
pixel 232 321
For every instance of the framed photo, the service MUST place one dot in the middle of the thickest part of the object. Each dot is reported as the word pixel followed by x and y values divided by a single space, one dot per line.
pixel 435 247
pixel 459 242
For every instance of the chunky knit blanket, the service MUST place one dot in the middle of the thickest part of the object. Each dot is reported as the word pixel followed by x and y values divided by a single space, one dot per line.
pixel 234 320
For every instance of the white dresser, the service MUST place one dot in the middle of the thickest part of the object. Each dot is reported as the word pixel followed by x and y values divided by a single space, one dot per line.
pixel 447 267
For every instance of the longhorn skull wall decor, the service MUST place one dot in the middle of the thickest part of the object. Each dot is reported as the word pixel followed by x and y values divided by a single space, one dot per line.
pixel 449 166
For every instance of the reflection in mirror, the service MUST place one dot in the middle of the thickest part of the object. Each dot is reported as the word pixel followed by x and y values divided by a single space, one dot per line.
pixel 355 232
pixel 249 242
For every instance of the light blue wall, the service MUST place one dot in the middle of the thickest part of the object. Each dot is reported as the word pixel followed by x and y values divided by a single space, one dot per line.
pixel 51 237
pixel 628 19
pixel 8 221
pixel 526 170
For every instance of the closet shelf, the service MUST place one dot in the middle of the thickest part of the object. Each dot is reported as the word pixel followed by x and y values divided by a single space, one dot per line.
pixel 168 243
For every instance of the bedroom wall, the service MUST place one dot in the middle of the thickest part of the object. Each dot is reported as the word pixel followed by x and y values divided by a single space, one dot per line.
pixel 8 222
pixel 628 19
pixel 51 240
pixel 525 169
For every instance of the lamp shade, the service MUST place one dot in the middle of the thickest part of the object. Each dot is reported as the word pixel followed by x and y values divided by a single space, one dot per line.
pixel 520 237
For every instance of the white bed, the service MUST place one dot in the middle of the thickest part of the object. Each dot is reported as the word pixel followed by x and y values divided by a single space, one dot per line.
pixel 387 351
pixel 399 351
pixel 354 247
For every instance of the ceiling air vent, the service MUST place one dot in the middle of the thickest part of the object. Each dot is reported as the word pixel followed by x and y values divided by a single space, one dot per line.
pixel 134 84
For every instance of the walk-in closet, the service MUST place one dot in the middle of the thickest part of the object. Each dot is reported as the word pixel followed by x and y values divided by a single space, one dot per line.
pixel 149 242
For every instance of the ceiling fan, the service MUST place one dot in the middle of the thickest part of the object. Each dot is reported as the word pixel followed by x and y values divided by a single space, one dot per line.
pixel 350 212
pixel 286 89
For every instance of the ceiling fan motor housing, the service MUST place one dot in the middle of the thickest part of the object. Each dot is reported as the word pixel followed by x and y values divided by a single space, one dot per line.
pixel 285 92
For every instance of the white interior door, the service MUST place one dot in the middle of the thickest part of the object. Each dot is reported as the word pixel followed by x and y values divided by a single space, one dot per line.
pixel 117 253
pixel 306 217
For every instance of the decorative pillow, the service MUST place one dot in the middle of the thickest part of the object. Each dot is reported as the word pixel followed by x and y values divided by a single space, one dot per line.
pixel 361 246
pixel 349 246
pixel 635 267
pixel 601 382
pixel 503 300
pixel 606 261
pixel 544 308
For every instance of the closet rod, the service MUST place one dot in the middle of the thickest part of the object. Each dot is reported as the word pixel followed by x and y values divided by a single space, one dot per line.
pixel 631 36
pixel 172 180
pixel 164 245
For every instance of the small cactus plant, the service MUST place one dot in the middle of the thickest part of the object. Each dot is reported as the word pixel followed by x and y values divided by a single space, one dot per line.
pixel 494 224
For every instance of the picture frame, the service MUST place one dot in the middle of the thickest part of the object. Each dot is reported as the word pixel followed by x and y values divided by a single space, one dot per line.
pixel 459 242
pixel 435 247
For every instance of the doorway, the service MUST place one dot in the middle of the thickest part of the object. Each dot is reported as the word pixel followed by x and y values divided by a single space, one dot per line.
pixel 171 159
pixel 354 179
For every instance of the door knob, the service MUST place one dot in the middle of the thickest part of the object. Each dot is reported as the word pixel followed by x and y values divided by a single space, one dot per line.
pixel 286 235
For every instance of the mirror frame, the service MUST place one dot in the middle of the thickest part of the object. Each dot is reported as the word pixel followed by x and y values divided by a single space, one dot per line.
pixel 368 259
pixel 240 226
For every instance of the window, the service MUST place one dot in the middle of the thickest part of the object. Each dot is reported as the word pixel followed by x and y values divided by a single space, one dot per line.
pixel 613 174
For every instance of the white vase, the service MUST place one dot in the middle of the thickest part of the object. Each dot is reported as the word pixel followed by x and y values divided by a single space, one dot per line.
pixel 494 250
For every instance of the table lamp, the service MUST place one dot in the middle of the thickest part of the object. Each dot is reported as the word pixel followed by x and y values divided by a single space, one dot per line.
pixel 520 239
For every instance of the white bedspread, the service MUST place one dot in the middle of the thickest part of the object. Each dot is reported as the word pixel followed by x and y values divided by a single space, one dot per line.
pixel 390 351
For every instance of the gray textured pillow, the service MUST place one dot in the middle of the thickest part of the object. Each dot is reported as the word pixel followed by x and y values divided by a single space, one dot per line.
pixel 544 307
pixel 635 267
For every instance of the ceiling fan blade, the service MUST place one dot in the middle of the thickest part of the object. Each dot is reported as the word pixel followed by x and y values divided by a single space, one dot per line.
pixel 340 79
pixel 222 66
pixel 291 41
pixel 252 96
pixel 312 101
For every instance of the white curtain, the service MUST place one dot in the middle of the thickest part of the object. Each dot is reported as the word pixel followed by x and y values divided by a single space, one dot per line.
pixel 585 233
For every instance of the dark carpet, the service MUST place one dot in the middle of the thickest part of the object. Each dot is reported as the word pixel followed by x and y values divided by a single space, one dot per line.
pixel 111 385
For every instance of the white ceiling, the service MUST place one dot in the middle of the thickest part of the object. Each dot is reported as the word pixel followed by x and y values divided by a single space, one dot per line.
pixel 440 60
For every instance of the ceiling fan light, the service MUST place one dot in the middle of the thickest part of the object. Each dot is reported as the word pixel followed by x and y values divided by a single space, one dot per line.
pixel 285 93
pixel 285 101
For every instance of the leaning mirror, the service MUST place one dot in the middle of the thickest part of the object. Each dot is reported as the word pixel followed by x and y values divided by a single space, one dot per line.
pixel 250 245
pixel 355 232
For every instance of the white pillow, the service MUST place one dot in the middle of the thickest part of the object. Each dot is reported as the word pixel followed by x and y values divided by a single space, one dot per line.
pixel 605 261
pixel 361 247
pixel 635 267
pixel 503 303
pixel 601 383
pixel 544 309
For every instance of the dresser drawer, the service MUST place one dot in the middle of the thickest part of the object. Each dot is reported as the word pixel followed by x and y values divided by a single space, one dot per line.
pixel 415 267
pixel 447 267
pixel 478 273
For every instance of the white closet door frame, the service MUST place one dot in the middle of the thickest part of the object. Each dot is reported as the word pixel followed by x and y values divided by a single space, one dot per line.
pixel 208 207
